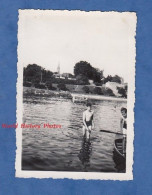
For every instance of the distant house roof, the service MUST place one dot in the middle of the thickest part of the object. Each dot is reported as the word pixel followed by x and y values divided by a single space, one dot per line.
pixel 69 75
pixel 64 75
pixel 56 75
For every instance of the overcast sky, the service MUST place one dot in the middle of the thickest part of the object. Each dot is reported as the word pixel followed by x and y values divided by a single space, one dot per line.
pixel 105 40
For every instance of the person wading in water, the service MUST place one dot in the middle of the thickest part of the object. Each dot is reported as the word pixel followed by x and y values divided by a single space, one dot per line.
pixel 88 123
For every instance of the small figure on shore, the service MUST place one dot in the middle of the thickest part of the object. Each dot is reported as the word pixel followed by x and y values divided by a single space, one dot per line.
pixel 123 125
pixel 88 123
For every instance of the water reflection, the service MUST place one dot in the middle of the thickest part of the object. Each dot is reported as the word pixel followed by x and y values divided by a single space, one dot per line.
pixel 85 153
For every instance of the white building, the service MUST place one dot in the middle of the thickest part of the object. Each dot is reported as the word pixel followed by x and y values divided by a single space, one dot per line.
pixel 113 86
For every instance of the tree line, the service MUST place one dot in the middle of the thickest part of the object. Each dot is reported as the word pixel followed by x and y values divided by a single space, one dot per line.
pixel 35 75
pixel 83 72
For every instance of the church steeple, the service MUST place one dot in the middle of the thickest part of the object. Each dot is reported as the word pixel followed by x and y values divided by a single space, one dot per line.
pixel 58 68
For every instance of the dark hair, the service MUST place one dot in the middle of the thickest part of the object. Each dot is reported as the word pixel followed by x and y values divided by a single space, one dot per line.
pixel 88 104
pixel 124 109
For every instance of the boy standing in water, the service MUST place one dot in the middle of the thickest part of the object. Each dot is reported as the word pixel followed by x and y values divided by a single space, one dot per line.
pixel 88 123
pixel 123 125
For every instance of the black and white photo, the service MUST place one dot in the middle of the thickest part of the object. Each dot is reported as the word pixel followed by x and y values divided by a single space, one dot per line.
pixel 75 94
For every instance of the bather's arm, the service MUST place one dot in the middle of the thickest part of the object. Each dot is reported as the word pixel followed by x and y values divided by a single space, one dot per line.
pixel 84 117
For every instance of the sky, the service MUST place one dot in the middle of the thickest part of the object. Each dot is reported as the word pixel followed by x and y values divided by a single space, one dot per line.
pixel 104 39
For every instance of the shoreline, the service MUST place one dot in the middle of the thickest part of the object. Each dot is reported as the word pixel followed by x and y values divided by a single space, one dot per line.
pixel 67 95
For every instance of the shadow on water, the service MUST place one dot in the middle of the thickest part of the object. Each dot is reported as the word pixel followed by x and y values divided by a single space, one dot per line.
pixel 85 153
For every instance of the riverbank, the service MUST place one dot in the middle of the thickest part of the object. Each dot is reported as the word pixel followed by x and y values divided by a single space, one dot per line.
pixel 31 91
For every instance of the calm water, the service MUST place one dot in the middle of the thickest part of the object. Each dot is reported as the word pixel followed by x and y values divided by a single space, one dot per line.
pixel 65 149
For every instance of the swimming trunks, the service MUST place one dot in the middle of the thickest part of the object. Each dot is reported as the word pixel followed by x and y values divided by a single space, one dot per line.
pixel 88 123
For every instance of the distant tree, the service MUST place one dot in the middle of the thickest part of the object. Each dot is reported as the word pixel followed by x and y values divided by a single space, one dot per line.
pixel 126 88
pixel 116 79
pixel 97 90
pixel 122 91
pixel 107 79
pixel 97 75
pixel 27 84
pixel 98 84
pixel 46 75
pixel 32 70
pixel 36 74
pixel 107 91
pixel 82 80
pixel 84 68
pixel 35 80
pixel 86 89
pixel 40 86
pixel 62 86
pixel 49 85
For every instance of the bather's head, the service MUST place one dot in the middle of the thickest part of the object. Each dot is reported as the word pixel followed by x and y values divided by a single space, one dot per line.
pixel 88 106
pixel 124 112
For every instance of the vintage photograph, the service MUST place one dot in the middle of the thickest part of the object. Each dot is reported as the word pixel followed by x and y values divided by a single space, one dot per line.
pixel 75 94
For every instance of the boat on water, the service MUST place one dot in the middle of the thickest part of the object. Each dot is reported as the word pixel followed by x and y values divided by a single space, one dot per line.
pixel 79 98
pixel 118 156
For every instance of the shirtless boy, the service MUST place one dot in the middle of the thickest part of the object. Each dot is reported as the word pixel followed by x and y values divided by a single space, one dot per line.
pixel 88 123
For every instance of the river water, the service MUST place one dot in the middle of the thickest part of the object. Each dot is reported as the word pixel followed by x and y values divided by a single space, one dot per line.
pixel 64 149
